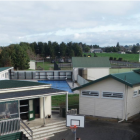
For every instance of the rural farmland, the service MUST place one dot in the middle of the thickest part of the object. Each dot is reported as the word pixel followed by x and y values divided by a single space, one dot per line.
pixel 126 57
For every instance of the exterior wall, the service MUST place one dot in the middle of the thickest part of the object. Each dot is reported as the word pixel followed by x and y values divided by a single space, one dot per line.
pixel 75 73
pixel 32 65
pixel 103 107
pixel 4 75
pixel 47 106
pixel 96 73
pixel 133 102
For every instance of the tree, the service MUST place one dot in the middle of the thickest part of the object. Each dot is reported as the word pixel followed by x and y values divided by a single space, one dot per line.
pixel 5 58
pixel 20 59
pixel 118 46
pixel 86 49
pixel 63 48
pixel 135 49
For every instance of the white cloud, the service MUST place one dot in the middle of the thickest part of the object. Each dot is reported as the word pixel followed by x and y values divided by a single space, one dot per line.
pixel 92 22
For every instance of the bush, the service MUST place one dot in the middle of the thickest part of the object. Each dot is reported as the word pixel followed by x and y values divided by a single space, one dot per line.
pixel 115 58
pixel 120 59
pixel 111 58
pixel 85 55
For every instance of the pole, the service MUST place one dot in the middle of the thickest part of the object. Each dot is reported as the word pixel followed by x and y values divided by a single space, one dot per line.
pixel 75 134
pixel 44 110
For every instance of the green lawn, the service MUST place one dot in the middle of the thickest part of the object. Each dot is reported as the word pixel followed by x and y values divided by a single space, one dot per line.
pixel 60 100
pixel 46 65
pixel 127 57
pixel 112 71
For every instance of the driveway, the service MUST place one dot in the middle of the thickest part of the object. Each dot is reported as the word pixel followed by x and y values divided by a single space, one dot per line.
pixel 99 130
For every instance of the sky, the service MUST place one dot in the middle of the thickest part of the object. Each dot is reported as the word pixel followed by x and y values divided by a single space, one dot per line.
pixel 103 23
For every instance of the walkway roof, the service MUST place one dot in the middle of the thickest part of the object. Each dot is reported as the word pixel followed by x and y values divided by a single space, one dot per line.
pixel 30 94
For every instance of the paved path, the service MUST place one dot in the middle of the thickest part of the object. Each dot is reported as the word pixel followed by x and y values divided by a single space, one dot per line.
pixel 95 130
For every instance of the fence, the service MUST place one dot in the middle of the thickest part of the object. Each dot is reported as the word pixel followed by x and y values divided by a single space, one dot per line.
pixel 81 80
pixel 124 64
pixel 42 75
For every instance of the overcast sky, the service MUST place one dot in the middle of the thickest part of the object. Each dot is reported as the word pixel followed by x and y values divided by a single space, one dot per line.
pixel 103 23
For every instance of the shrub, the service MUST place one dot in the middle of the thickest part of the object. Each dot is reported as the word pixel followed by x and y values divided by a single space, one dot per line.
pixel 120 59
pixel 111 58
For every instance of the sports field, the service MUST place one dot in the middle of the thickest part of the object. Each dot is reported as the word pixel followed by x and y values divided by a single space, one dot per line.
pixel 112 71
pixel 127 57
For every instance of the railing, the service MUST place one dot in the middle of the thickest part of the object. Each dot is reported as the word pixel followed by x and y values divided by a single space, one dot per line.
pixel 81 80
pixel 72 112
pixel 27 129
pixel 9 126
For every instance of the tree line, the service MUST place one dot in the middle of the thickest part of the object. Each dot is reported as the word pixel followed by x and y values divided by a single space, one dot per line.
pixel 19 55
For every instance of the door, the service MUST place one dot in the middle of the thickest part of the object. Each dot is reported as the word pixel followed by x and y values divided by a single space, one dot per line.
pixel 31 112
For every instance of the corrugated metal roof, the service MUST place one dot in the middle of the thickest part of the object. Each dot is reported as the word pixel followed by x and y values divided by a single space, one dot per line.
pixel 128 78
pixel 4 68
pixel 16 84
pixel 90 62
pixel 28 93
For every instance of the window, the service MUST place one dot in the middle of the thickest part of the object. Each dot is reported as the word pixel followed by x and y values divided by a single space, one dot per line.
pixel 90 93
pixel 135 93
pixel 112 95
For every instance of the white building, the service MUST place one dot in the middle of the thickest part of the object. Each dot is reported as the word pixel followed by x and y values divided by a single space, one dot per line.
pixel 96 50
pixel 113 96
pixel 5 73
pixel 32 65
pixel 90 68
pixel 121 52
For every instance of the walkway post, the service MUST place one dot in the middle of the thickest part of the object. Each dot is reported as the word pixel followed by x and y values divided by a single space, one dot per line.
pixel 44 120
pixel 19 108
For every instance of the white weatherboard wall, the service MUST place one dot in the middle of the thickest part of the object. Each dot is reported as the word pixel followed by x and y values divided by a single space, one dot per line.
pixel 133 102
pixel 4 75
pixel 47 106
pixel 75 73
pixel 96 73
pixel 32 65
pixel 103 107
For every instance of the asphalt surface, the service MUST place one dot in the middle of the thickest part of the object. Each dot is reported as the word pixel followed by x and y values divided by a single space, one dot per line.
pixel 100 130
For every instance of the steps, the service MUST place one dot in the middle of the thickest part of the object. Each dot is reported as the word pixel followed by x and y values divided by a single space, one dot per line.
pixel 40 133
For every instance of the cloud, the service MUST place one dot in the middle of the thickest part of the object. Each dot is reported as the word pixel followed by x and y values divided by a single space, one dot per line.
pixel 92 22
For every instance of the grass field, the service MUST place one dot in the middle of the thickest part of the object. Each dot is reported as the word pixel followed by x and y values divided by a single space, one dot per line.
pixel 127 57
pixel 46 65
pixel 112 71
pixel 60 100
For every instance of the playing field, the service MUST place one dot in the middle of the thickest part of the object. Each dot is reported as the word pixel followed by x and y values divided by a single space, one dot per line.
pixel 112 71
pixel 127 57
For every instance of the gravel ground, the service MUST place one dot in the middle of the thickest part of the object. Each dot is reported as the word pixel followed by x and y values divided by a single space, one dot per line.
pixel 98 130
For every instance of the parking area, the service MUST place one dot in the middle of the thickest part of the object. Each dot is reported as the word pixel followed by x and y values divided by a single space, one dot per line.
pixel 101 130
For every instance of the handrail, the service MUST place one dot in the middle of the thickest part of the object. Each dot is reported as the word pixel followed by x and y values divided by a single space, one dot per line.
pixel 31 135
pixel 9 126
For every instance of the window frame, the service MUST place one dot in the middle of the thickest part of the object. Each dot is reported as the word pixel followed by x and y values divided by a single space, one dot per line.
pixel 113 97
pixel 89 94
pixel 136 94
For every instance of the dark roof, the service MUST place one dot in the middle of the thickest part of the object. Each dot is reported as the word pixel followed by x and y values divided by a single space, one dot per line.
pixel 16 84
pixel 90 62
pixel 4 68
pixel 128 78
pixel 29 93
